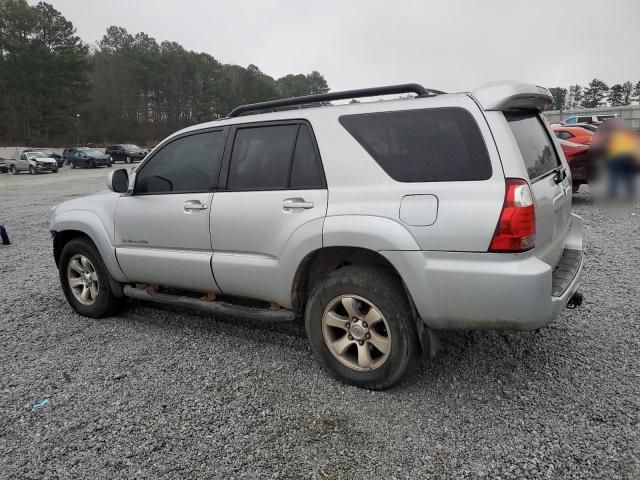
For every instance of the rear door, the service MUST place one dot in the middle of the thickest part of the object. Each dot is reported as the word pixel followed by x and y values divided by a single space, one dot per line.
pixel 272 195
pixel 550 183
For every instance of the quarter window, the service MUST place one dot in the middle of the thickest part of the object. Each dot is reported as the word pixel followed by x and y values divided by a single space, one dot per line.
pixel 186 165
pixel 427 145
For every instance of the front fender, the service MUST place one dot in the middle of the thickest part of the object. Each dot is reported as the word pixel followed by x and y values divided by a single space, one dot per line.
pixel 89 223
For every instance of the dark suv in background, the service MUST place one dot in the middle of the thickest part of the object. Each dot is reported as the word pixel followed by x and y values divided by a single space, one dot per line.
pixel 126 153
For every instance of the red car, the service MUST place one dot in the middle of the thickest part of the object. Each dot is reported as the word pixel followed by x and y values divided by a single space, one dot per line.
pixel 573 134
pixel 579 161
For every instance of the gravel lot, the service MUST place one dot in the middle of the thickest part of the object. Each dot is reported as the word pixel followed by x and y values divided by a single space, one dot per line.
pixel 156 393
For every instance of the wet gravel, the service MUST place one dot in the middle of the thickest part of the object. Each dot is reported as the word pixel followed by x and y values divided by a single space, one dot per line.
pixel 156 393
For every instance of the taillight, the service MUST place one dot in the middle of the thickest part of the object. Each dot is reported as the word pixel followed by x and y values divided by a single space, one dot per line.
pixel 516 230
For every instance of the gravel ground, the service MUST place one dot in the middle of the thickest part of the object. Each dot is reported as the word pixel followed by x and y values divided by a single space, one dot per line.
pixel 156 393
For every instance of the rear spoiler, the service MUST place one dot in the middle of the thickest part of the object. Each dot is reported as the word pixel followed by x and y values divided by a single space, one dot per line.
pixel 512 96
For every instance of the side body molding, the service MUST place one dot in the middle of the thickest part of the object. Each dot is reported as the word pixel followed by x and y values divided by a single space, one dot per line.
pixel 90 224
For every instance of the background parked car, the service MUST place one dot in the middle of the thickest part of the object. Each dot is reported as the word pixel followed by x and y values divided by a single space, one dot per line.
pixel 48 153
pixel 88 158
pixel 126 153
pixel 573 134
pixel 593 119
pixel 67 151
pixel 587 126
pixel 4 168
pixel 33 162
pixel 580 162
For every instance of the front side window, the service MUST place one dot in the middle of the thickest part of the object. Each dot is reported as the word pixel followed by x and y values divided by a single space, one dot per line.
pixel 427 145
pixel 570 120
pixel 186 165
pixel 261 157
pixel 564 135
pixel 538 153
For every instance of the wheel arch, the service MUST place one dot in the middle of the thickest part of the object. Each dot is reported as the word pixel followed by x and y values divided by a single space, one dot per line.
pixel 81 223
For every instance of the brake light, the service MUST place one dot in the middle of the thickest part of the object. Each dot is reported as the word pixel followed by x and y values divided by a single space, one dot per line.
pixel 516 230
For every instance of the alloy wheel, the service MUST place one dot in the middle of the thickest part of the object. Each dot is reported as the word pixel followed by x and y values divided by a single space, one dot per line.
pixel 356 333
pixel 83 279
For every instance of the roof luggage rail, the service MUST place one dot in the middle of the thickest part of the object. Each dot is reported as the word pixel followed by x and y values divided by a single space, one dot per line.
pixel 327 97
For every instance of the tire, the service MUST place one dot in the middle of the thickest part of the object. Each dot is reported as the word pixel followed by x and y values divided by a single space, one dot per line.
pixel 127 159
pixel 104 303
pixel 13 170
pixel 55 171
pixel 382 291
pixel 32 170
pixel 92 164
pixel 72 164
pixel 110 161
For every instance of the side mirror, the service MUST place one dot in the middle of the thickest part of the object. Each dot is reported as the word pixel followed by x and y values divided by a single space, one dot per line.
pixel 118 181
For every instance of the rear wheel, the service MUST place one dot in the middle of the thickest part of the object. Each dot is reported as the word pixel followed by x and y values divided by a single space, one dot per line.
pixel 85 280
pixel 361 327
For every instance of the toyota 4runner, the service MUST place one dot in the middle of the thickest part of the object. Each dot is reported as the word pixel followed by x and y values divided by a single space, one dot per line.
pixel 378 222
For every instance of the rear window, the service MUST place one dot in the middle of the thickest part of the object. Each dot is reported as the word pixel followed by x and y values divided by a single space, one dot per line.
pixel 430 145
pixel 538 152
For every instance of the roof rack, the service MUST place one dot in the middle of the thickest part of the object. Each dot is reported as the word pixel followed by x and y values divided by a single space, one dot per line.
pixel 327 97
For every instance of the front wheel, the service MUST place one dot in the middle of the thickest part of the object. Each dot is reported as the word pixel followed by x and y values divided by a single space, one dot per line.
pixel 55 171
pixel 127 159
pixel 32 170
pixel 72 164
pixel 85 280
pixel 13 170
pixel 361 327
pixel 92 164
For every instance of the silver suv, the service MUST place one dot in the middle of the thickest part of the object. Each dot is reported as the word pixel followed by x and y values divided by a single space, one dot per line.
pixel 378 222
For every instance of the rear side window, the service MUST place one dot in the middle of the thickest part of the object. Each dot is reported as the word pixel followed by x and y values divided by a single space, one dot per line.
pixel 538 152
pixel 430 145
pixel 584 119
pixel 274 157
pixel 305 169
pixel 186 165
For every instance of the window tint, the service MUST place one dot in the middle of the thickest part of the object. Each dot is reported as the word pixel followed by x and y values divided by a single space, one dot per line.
pixel 564 135
pixel 584 119
pixel 434 145
pixel 538 153
pixel 188 164
pixel 261 157
pixel 305 170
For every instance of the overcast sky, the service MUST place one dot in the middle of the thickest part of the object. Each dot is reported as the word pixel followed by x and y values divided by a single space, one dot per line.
pixel 445 44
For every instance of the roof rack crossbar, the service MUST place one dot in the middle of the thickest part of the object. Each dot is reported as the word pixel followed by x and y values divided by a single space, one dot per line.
pixel 327 97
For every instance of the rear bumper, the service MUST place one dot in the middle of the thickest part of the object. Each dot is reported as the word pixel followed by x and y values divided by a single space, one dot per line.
pixel 490 291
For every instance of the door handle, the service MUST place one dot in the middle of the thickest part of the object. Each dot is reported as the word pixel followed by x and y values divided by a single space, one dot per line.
pixel 194 205
pixel 295 203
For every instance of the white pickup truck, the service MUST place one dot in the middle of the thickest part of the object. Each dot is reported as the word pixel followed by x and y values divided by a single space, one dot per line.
pixel 33 162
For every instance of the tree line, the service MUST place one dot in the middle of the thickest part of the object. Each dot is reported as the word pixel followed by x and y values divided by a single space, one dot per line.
pixel 596 94
pixel 54 89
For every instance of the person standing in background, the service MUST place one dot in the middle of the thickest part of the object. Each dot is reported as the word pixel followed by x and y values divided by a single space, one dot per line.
pixel 4 236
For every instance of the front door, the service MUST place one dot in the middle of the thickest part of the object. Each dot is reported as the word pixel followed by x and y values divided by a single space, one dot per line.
pixel 272 201
pixel 162 231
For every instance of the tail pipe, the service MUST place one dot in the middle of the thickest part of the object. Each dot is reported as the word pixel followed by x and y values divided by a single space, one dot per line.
pixel 575 300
